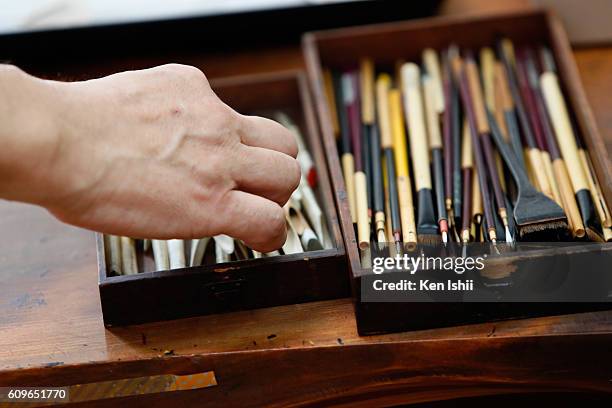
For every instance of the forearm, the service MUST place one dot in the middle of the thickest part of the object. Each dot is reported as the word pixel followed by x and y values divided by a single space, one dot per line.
pixel 28 134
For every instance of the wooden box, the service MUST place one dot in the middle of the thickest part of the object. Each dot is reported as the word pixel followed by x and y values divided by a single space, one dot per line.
pixel 285 279
pixel 385 44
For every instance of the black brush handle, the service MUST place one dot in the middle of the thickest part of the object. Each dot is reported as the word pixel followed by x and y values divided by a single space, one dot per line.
pixel 517 170
pixel 456 146
pixel 393 198
pixel 367 161
pixel 378 193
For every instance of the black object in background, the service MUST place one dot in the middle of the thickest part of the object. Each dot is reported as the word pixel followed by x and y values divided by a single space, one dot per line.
pixel 225 32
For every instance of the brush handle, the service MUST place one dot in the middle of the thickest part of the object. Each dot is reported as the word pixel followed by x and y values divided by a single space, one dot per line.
pixel 367 90
pixel 383 84
pixel 114 248
pixel 348 170
pixel 467 154
pixel 466 216
pixel 518 172
pixel 456 148
pixel 328 84
pixel 447 126
pixel 507 56
pixel 500 102
pixel 361 201
pixel 478 106
pixel 530 103
pixel 568 201
pixel 413 105
pixel 432 67
pixel 398 132
pixel 393 193
pixel 487 70
pixel 433 122
pixel 378 194
pixel 351 103
pixel 128 256
pixel 160 255
pixel 345 136
pixel 557 111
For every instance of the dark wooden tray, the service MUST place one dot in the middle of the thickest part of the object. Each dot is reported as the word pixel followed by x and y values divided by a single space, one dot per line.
pixel 386 43
pixel 239 285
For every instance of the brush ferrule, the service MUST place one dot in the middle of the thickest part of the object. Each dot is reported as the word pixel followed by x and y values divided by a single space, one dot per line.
pixel 465 236
pixel 492 235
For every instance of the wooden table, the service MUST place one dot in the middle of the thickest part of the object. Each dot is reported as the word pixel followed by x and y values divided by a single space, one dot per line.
pixel 51 330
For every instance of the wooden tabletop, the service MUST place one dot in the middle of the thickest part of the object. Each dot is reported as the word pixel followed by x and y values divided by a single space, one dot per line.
pixel 51 330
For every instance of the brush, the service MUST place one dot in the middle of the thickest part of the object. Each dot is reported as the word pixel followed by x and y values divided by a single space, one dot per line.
pixel 176 253
pixel 383 85
pixel 562 189
pixel 114 247
pixel 480 162
pixel 404 185
pixel 348 162
pixel 447 127
pixel 314 213
pixel 427 228
pixel 198 249
pixel 366 85
pixel 160 254
pixel 225 246
pixel 558 114
pixel 435 146
pixel 486 148
pixel 350 89
pixel 537 217
pixel 129 265
pixel 372 150
pixel 453 69
pixel 467 164
pixel 328 82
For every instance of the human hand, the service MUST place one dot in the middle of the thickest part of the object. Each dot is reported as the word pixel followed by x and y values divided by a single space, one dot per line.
pixel 155 153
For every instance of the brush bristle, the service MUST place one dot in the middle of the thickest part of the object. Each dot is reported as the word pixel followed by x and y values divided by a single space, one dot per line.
pixel 559 226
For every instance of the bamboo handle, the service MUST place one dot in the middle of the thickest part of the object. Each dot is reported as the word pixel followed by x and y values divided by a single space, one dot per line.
pixel 404 192
pixel 176 252
pixel 432 66
pixel 160 255
pixel 413 105
pixel 348 169
pixel 433 122
pixel 361 201
pixel 467 155
pixel 568 199
pixel 557 111
pixel 383 83
pixel 367 91
pixel 328 83
pixel 477 208
pixel 477 102
pixel 487 67
pixel 508 49
pixel 503 87
pixel 128 256
pixel 398 132
pixel 115 254
pixel 599 207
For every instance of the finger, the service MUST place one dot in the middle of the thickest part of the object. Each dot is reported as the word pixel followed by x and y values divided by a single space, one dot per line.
pixel 267 173
pixel 262 132
pixel 257 221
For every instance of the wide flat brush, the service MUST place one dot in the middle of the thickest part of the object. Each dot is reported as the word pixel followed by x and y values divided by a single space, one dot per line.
pixel 557 112
pixel 427 227
pixel 404 185
pixel 538 218
pixel 383 85
pixel 435 146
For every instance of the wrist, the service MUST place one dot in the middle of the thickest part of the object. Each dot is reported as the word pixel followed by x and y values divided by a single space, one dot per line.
pixel 29 133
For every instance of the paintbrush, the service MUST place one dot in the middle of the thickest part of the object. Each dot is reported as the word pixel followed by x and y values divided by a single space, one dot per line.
pixel 557 112
pixel 314 213
pixel 404 185
pixel 506 51
pixel 129 265
pixel 198 249
pixel 351 98
pixel 427 228
pixel 176 253
pixel 371 150
pixel 562 189
pixel 447 128
pixel 328 82
pixel 535 214
pixel 453 69
pixel 114 247
pixel 435 146
pixel 467 164
pixel 160 255
pixel 480 163
pixel 486 149
pixel 224 248
pixel 348 163
pixel 366 93
pixel 383 84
